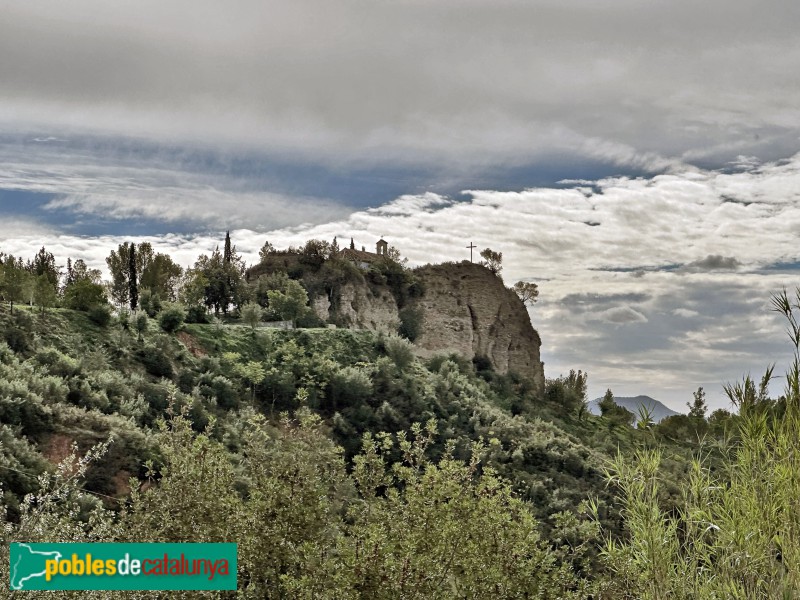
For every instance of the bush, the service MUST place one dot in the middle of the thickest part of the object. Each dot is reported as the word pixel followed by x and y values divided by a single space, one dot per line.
pixel 100 315
pixel 221 389
pixel 196 314
pixel 17 339
pixel 251 314
pixel 399 350
pixel 171 318
pixel 155 362
pixel 150 302
pixel 83 294
pixel 410 323
pixel 349 386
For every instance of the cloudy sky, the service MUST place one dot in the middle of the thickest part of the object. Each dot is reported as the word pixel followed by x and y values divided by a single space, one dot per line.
pixel 639 160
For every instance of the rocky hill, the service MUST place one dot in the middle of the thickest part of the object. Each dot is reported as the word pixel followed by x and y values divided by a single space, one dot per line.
pixel 465 309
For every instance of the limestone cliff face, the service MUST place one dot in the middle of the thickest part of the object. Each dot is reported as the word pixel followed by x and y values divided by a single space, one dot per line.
pixel 467 309
pixel 365 307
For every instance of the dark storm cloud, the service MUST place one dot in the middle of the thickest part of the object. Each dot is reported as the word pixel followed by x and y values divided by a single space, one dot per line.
pixel 714 262
pixel 478 81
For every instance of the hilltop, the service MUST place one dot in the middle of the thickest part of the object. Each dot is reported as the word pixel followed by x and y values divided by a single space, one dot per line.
pixel 455 307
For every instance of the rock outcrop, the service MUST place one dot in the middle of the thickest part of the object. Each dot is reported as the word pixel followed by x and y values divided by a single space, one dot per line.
pixel 467 309
pixel 367 307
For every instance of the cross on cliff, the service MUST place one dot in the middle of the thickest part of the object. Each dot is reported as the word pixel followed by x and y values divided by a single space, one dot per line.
pixel 471 246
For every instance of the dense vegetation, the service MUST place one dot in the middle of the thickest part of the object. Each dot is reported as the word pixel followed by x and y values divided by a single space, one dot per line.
pixel 347 468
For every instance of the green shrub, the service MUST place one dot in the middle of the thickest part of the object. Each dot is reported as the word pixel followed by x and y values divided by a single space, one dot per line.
pixel 196 314
pixel 155 361
pixel 149 302
pixel 172 317
pixel 349 385
pixel 400 351
pixel 100 315
pixel 17 339
pixel 410 323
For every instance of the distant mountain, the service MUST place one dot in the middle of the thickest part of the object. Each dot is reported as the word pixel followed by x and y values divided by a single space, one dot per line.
pixel 632 403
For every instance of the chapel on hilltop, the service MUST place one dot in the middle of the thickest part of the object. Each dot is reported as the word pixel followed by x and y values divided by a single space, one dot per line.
pixel 363 259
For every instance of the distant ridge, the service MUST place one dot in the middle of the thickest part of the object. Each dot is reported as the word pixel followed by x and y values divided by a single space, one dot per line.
pixel 658 410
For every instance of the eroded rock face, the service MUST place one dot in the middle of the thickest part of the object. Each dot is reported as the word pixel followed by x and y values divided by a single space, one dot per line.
pixel 467 309
pixel 365 308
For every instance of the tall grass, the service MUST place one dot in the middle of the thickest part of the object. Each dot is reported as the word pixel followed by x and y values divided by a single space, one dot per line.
pixel 736 532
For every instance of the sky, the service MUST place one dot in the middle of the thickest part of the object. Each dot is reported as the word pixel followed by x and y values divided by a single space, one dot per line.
pixel 638 160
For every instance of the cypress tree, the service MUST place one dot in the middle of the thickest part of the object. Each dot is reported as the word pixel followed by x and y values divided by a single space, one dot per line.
pixel 228 252
pixel 70 274
pixel 132 278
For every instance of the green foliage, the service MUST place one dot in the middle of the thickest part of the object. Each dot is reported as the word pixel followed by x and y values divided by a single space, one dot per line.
pixel 253 372
pixel 400 351
pixel 218 280
pixel 196 314
pixel 736 532
pixel 161 275
pixel 251 315
pixel 411 321
pixel 44 292
pixel 289 304
pixel 172 317
pixel 613 412
pixel 15 280
pixel 265 251
pixel 142 323
pixel 100 314
pixel 155 361
pixel 84 294
pixel 568 391
pixel 119 266
pixel 149 302
pixel 698 407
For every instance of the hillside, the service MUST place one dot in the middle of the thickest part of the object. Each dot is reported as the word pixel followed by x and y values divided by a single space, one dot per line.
pixel 460 308
pixel 658 411
pixel 309 444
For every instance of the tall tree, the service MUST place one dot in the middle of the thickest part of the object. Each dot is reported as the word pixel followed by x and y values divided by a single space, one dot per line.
pixel 133 284
pixel 82 272
pixel 44 263
pixel 265 251
pixel 228 251
pixel 698 407
pixel 44 294
pixel 119 266
pixel 161 276
pixel 14 281
pixel 289 304
pixel 70 276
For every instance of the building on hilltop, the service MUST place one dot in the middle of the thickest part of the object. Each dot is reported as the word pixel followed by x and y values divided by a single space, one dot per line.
pixel 363 259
